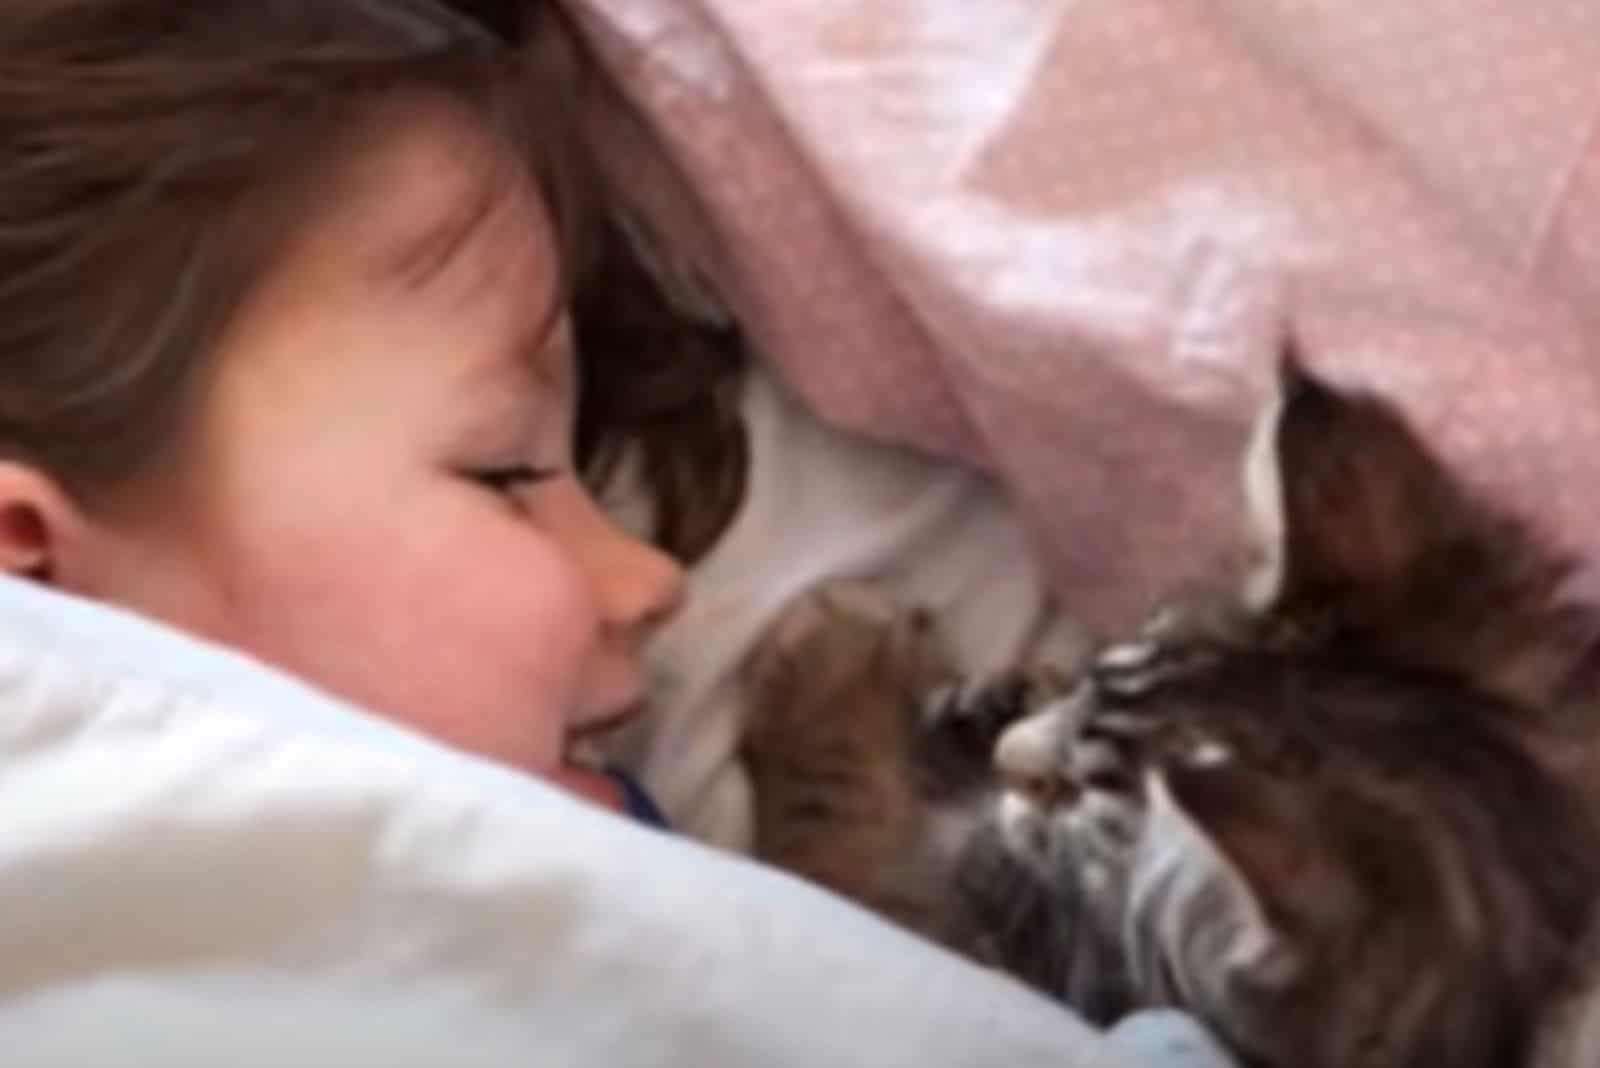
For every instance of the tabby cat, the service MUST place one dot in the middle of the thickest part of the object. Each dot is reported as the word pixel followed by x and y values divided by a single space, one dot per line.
pixel 1347 815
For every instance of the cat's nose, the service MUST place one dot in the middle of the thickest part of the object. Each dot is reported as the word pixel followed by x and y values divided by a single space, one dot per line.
pixel 1028 755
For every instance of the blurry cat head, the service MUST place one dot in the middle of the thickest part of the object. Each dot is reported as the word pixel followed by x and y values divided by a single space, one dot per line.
pixel 1327 811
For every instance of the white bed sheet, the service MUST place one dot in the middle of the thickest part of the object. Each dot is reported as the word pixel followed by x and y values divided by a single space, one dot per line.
pixel 203 862
pixel 823 504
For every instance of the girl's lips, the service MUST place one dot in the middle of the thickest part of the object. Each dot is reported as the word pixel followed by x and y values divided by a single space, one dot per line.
pixel 583 762
pixel 594 786
pixel 606 724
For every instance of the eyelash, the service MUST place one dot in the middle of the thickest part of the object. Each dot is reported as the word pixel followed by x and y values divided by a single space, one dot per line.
pixel 512 477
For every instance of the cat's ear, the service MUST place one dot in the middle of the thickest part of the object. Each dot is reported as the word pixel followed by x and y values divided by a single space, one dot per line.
pixel 1345 499
pixel 1362 526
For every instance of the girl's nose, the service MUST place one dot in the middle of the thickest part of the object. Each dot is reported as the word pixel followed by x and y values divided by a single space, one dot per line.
pixel 642 587
pixel 638 587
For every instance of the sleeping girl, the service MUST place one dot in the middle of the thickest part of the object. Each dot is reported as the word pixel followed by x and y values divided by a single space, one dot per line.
pixel 286 363
pixel 290 302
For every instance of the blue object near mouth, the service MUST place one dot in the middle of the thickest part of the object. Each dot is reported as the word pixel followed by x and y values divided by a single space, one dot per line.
pixel 640 805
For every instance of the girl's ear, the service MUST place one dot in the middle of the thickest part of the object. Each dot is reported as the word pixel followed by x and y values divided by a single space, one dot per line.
pixel 38 523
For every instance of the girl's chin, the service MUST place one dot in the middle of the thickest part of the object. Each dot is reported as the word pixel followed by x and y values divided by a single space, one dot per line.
pixel 594 786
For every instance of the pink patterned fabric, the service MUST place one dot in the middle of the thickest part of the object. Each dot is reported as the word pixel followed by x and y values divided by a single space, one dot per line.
pixel 1063 240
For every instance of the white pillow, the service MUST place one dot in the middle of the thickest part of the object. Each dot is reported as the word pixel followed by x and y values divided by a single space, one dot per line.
pixel 203 862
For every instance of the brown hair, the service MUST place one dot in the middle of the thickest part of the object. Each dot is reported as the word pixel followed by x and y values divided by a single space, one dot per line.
pixel 661 389
pixel 154 159
pixel 661 377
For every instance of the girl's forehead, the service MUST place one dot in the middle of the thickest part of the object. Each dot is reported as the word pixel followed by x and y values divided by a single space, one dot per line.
pixel 440 212
pixel 435 245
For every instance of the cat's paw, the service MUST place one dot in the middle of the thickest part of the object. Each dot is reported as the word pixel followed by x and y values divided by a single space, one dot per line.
pixel 829 699
pixel 842 630
pixel 961 721
pixel 983 705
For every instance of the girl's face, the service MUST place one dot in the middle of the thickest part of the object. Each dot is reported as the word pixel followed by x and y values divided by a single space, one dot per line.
pixel 378 494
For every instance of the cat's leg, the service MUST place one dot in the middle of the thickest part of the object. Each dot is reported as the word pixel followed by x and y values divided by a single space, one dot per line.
pixel 830 694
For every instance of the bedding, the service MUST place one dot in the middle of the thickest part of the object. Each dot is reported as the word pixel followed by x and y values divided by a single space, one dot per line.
pixel 1063 241
pixel 825 504
pixel 204 862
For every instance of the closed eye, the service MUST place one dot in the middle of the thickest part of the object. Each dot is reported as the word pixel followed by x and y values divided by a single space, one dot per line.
pixel 511 477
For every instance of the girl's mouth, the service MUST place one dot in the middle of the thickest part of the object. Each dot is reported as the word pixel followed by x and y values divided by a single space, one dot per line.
pixel 585 769
pixel 585 743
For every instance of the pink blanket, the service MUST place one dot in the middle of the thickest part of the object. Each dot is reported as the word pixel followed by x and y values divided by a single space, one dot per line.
pixel 1063 239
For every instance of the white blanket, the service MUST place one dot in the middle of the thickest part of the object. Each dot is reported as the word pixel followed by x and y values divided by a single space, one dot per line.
pixel 822 504
pixel 204 863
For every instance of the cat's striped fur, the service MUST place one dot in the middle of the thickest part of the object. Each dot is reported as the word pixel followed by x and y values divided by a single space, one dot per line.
pixel 1346 817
